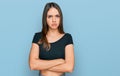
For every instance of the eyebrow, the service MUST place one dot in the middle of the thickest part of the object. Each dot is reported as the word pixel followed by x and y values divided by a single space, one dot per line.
pixel 52 15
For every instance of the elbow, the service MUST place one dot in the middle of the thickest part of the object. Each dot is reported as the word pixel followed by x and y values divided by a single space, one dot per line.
pixel 69 67
pixel 32 66
pixel 70 70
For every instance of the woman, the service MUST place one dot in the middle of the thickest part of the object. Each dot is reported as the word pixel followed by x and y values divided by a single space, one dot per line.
pixel 52 50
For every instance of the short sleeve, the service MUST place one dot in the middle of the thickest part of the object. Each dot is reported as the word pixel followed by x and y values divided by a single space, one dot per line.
pixel 69 39
pixel 36 38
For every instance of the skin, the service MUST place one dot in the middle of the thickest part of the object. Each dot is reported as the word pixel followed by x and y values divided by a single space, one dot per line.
pixel 57 66
pixel 53 19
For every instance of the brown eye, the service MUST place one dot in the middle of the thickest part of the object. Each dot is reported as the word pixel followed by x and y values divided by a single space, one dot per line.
pixel 57 15
pixel 49 16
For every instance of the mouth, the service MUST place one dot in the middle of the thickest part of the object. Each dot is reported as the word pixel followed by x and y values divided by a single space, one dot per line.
pixel 54 24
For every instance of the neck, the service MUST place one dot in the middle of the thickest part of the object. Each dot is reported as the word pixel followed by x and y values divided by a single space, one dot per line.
pixel 53 32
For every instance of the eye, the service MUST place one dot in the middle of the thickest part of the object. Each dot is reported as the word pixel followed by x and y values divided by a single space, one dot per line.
pixel 49 16
pixel 58 16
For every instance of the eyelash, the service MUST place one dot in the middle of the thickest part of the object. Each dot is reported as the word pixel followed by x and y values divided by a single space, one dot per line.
pixel 55 16
pixel 49 16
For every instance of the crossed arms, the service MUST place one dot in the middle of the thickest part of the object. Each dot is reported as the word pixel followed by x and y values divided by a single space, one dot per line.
pixel 57 65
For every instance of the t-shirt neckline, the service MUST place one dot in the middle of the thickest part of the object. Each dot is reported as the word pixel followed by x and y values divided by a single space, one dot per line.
pixel 58 39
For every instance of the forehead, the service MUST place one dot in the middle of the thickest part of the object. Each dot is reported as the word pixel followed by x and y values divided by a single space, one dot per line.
pixel 52 11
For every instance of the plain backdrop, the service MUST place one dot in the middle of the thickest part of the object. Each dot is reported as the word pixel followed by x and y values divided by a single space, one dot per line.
pixel 93 24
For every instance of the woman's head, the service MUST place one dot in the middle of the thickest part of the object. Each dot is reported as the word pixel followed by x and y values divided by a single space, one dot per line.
pixel 52 18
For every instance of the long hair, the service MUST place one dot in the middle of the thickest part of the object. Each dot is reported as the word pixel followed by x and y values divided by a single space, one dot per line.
pixel 45 27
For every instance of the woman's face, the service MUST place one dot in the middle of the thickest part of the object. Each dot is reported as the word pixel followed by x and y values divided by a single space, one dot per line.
pixel 53 18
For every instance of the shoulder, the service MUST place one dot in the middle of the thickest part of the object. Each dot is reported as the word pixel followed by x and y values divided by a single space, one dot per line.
pixel 68 35
pixel 68 38
pixel 37 37
pixel 38 33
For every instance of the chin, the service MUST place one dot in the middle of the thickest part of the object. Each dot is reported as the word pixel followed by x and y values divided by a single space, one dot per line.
pixel 54 28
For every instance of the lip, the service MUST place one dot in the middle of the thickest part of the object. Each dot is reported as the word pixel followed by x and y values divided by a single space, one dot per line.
pixel 54 24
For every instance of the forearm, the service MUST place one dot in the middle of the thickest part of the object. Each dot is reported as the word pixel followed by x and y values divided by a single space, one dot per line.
pixel 62 68
pixel 39 64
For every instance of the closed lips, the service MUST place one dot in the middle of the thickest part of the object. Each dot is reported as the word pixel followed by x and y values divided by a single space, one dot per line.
pixel 54 24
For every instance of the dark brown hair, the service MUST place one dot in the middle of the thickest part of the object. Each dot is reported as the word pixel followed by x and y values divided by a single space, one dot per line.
pixel 45 28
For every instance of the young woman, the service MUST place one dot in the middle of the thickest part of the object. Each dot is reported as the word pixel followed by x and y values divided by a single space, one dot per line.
pixel 52 51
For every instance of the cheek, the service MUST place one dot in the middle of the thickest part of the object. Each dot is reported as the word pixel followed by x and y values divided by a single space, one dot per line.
pixel 48 21
pixel 58 21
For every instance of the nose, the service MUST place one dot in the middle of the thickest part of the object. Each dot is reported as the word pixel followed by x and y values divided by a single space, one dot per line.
pixel 53 19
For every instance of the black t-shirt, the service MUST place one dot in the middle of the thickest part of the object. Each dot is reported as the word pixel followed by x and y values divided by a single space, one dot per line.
pixel 57 49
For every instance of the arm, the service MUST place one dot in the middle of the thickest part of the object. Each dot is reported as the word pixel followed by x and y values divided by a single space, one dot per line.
pixel 69 61
pixel 37 64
